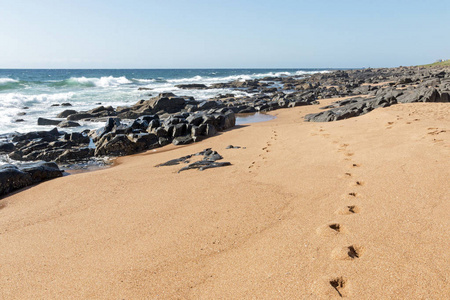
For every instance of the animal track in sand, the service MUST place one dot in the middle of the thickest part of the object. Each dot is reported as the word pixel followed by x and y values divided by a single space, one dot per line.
pixel 331 229
pixel 349 154
pixel 348 210
pixel 340 284
pixel 356 165
pixel 347 253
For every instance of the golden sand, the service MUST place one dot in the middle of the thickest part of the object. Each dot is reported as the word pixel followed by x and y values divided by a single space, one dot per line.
pixel 356 208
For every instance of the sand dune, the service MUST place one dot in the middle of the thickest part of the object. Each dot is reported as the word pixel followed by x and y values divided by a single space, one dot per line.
pixel 356 208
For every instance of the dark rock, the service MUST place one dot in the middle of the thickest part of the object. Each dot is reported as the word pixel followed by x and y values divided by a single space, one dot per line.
pixel 66 124
pixel 42 171
pixel 203 165
pixel 46 122
pixel 118 145
pixel 145 141
pixel 49 135
pixel 77 138
pixel 79 116
pixel 11 178
pixel 76 154
pixel 66 113
pixel 191 86
pixel 232 147
pixel 6 147
pixel 210 130
pixel 66 104
pixel 182 140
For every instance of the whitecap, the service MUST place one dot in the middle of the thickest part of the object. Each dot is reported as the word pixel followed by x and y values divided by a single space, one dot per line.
pixel 106 81
pixel 7 80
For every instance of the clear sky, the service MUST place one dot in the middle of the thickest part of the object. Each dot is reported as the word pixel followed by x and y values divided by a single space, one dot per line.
pixel 222 34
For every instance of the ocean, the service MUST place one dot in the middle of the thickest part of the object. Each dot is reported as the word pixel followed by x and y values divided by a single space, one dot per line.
pixel 26 95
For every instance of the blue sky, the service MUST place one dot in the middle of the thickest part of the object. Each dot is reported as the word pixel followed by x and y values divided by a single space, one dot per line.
pixel 222 34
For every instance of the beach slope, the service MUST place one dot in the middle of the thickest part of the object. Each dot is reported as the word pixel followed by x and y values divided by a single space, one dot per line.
pixel 355 208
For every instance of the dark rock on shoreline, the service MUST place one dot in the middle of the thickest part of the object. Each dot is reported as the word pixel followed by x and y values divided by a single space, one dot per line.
pixel 192 86
pixel 47 122
pixel 14 177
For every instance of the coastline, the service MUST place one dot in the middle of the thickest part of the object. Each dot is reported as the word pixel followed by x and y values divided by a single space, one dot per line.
pixel 258 228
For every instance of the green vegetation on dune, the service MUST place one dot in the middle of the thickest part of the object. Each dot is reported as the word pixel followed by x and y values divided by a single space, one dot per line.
pixel 445 63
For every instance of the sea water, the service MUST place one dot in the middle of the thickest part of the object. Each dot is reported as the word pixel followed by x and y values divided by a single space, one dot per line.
pixel 26 95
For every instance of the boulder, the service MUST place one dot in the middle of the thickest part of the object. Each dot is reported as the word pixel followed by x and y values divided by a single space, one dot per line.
pixel 76 154
pixel 11 178
pixel 79 116
pixel 182 140
pixel 6 147
pixel 66 113
pixel 118 145
pixel 42 171
pixel 66 124
pixel 47 122
pixel 192 86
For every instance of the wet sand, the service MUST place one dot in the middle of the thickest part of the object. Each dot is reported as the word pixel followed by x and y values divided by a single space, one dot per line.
pixel 356 208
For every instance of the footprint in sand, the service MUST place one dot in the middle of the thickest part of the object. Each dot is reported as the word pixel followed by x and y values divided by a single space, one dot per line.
pixel 346 175
pixel 347 253
pixel 357 183
pixel 331 229
pixel 340 286
pixel 348 210
pixel 356 165
pixel 436 131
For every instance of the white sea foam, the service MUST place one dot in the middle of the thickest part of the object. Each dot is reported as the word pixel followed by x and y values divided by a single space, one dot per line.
pixel 144 80
pixel 109 81
pixel 7 80
pixel 240 77
pixel 17 100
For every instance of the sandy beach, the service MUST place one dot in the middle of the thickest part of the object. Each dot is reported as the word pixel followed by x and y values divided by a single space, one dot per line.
pixel 357 208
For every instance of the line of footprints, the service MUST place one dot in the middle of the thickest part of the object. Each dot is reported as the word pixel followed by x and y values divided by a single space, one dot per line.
pixel 265 149
pixel 340 284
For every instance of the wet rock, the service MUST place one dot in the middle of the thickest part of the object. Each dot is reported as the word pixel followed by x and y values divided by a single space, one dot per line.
pixel 47 122
pixel 11 178
pixel 79 116
pixel 49 135
pixel 66 124
pixel 66 113
pixel 42 171
pixel 6 147
pixel 118 145
pixel 77 138
pixel 75 155
pixel 192 86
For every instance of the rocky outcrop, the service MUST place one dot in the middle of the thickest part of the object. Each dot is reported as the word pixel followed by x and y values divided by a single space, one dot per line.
pixel 16 177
